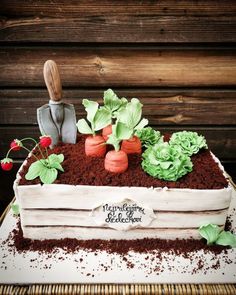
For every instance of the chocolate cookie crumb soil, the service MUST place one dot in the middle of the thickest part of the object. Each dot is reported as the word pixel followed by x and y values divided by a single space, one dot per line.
pixel 82 170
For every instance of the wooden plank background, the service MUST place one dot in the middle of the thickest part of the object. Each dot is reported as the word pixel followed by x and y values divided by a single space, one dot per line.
pixel 178 57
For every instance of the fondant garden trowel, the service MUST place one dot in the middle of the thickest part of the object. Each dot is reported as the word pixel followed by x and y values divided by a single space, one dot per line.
pixel 56 118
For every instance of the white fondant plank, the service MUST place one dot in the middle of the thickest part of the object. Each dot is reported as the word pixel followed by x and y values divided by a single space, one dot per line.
pixel 43 233
pixel 88 197
pixel 83 218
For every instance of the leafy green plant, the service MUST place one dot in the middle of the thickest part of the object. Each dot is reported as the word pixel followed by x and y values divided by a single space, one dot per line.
pixel 15 209
pixel 131 115
pixel 226 238
pixel 116 161
pixel 215 235
pixel 97 117
pixel 113 103
pixel 120 132
pixel 149 136
pixel 46 169
pixel 190 142
pixel 210 232
pixel 166 162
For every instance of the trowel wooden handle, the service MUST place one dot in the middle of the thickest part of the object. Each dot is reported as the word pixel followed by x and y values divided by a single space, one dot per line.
pixel 52 80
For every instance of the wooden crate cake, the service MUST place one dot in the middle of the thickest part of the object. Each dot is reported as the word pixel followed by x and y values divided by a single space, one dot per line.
pixel 82 211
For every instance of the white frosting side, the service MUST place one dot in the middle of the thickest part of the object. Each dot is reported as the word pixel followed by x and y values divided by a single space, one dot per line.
pixel 89 197
pixel 178 212
pixel 160 219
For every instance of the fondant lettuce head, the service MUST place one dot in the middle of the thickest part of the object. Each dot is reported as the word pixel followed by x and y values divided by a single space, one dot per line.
pixel 148 136
pixel 190 142
pixel 166 162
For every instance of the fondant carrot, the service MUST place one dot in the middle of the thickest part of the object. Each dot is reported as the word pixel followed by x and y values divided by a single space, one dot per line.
pixel 106 131
pixel 116 161
pixel 131 117
pixel 95 146
pixel 132 145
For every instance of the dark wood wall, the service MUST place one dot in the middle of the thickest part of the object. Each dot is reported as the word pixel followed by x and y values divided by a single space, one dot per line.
pixel 178 57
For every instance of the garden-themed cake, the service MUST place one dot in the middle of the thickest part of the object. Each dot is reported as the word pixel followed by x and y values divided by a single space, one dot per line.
pixel 121 180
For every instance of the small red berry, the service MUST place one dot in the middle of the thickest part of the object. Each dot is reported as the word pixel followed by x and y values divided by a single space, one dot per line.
pixel 16 145
pixel 45 141
pixel 7 164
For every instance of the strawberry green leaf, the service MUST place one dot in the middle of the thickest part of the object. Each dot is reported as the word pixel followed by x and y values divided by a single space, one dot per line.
pixel 6 160
pixel 210 232
pixel 226 238
pixel 57 165
pixel 34 170
pixel 83 127
pixel 60 158
pixel 48 175
pixel 46 169
pixel 54 158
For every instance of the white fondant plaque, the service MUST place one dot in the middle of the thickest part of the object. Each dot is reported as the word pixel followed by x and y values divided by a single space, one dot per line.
pixel 123 215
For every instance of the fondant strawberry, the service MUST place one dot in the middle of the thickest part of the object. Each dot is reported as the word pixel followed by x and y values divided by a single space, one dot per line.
pixel 45 141
pixel 6 164
pixel 16 145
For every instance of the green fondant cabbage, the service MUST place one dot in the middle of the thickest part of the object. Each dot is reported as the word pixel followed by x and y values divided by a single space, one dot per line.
pixel 148 136
pixel 190 142
pixel 166 162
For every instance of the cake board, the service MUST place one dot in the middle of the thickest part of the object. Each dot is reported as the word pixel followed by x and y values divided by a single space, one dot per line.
pixel 16 279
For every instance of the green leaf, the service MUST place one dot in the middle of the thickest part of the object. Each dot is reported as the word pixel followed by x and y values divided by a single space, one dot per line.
pixel 48 175
pixel 131 115
pixel 57 165
pixel 165 165
pixel 54 158
pixel 111 100
pixel 15 209
pixel 121 131
pixel 83 127
pixel 46 168
pixel 141 124
pixel 149 136
pixel 226 238
pixel 113 140
pixel 91 108
pixel 60 158
pixel 101 119
pixel 34 170
pixel 210 232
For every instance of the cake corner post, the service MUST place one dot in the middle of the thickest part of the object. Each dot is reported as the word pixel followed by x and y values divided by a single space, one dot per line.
pixel 56 118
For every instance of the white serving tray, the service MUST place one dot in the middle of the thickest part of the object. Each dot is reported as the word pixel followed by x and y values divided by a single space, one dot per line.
pixel 37 268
